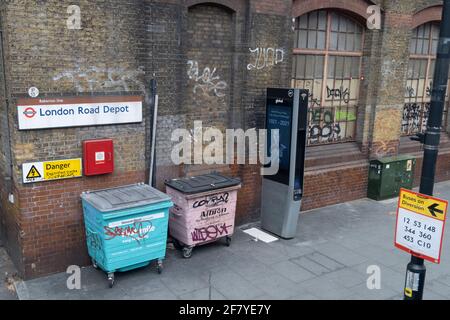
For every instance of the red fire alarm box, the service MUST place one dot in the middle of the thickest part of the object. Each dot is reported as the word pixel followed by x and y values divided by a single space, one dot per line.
pixel 98 156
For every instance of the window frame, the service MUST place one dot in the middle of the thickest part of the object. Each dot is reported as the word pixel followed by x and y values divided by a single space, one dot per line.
pixel 430 59
pixel 326 53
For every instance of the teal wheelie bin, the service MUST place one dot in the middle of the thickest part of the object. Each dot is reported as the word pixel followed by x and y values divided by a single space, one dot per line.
pixel 126 227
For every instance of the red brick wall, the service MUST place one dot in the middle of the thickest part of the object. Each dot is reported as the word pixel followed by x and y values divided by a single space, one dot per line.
pixel 52 224
pixel 235 5
pixel 249 196
pixel 380 149
pixel 335 184
pixel 47 233
pixel 358 7
pixel 396 20
pixel 442 167
pixel 10 227
pixel 272 7
pixel 427 15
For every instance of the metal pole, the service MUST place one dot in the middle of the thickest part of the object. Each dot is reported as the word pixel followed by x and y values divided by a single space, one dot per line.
pixel 153 142
pixel 415 273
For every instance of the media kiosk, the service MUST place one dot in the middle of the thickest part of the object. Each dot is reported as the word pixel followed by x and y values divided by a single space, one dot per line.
pixel 287 111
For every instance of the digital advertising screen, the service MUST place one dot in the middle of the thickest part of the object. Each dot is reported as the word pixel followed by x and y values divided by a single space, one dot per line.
pixel 280 117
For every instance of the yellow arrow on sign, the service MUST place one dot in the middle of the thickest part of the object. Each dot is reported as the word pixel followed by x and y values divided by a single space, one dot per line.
pixel 423 204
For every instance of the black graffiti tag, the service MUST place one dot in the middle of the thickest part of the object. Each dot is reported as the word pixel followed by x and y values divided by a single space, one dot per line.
pixel 415 117
pixel 211 232
pixel 410 92
pixel 212 201
pixel 341 93
pixel 328 130
pixel 314 101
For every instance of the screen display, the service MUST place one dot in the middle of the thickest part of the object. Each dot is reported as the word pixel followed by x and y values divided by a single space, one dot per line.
pixel 280 117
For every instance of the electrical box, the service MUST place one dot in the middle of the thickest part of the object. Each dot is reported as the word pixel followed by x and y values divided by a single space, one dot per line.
pixel 98 157
pixel 388 175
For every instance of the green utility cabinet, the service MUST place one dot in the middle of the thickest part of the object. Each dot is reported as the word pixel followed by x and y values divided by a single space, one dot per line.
pixel 388 175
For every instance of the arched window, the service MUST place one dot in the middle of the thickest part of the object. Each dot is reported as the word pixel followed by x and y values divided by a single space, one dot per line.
pixel 423 48
pixel 327 61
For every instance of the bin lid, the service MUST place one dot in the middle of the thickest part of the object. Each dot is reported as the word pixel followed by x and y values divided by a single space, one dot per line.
pixel 125 197
pixel 394 159
pixel 203 183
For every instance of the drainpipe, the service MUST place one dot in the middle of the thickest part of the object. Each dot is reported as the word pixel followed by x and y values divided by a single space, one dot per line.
pixel 152 179
pixel 7 131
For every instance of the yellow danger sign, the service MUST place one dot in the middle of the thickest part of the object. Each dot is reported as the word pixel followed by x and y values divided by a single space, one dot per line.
pixel 62 169
pixel 51 170
pixel 33 173
pixel 423 204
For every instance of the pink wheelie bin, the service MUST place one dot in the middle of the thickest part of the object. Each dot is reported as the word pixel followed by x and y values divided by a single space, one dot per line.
pixel 204 210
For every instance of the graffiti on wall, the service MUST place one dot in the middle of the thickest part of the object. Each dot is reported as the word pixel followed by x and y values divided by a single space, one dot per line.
pixel 314 102
pixel 207 80
pixel 92 78
pixel 411 92
pixel 384 148
pixel 265 57
pixel 322 127
pixel 341 93
pixel 415 117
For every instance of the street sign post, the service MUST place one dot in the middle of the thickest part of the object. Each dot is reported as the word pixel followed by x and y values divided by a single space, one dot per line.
pixel 420 225
pixel 416 270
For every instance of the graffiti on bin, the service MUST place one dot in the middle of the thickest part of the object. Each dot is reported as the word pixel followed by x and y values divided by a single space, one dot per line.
pixel 212 201
pixel 212 213
pixel 95 244
pixel 211 232
pixel 94 241
pixel 137 231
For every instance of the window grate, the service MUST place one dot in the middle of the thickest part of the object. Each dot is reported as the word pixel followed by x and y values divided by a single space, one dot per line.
pixel 327 61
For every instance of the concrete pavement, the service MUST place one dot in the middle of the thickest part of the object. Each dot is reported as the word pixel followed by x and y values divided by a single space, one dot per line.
pixel 328 259
pixel 7 271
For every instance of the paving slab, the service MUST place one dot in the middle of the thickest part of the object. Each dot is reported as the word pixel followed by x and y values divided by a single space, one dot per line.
pixel 326 289
pixel 232 285
pixel 292 271
pixel 328 259
pixel 208 293
pixel 7 270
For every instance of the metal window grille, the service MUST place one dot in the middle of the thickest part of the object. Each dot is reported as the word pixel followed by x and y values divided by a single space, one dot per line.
pixel 423 48
pixel 327 61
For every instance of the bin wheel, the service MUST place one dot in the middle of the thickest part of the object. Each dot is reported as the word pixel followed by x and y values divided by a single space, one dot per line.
pixel 177 244
pixel 159 267
pixel 228 241
pixel 187 252
pixel 94 264
pixel 111 279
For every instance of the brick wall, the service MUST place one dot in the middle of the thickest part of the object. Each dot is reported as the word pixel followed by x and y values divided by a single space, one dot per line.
pixel 52 228
pixel 321 184
pixel 442 167
pixel 121 46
